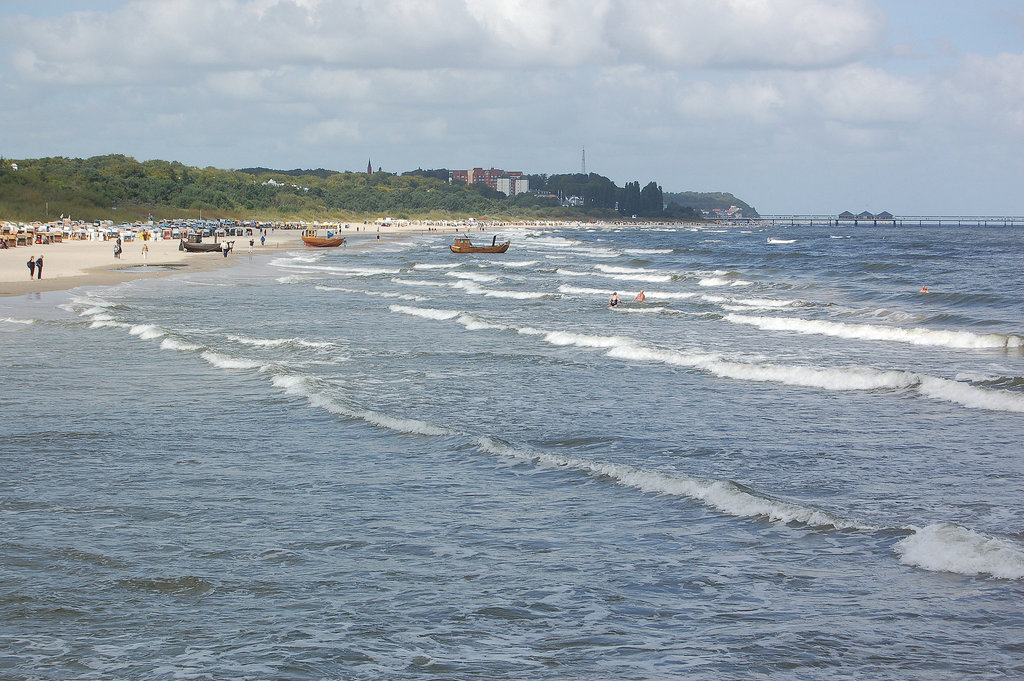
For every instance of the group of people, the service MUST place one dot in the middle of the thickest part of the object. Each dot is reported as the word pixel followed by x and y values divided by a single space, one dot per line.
pixel 614 301
pixel 35 267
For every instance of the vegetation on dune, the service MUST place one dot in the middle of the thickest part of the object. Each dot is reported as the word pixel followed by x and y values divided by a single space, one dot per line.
pixel 120 188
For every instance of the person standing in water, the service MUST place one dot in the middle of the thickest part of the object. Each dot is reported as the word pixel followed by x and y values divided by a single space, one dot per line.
pixel 640 297
pixel 614 300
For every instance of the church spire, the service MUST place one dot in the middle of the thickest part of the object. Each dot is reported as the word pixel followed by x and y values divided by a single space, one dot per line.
pixel 369 167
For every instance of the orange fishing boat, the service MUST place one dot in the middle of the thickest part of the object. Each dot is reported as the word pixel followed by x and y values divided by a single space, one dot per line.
pixel 311 239
pixel 464 245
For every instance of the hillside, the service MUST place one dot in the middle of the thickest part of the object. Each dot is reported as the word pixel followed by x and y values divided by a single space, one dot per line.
pixel 709 201
pixel 120 188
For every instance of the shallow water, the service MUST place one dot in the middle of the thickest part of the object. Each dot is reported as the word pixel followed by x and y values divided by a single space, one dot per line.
pixel 397 462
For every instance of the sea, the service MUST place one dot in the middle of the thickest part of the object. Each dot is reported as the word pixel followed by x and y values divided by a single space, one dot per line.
pixel 389 461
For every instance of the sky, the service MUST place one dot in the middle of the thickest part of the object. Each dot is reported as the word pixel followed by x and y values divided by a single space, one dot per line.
pixel 795 106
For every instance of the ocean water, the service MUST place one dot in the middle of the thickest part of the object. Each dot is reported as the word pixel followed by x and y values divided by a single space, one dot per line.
pixel 393 462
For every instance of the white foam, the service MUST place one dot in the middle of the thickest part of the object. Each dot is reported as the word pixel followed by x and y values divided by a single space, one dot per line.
pixel 646 309
pixel 305 387
pixel 476 289
pixel 473 276
pixel 576 290
pixel 224 362
pixel 645 251
pixel 781 241
pixel 945 547
pixel 425 312
pixel 584 340
pixel 611 269
pixel 843 378
pixel 340 271
pixel 146 331
pixel 437 266
pixel 970 396
pixel 104 323
pixel 376 294
pixel 519 263
pixel 12 320
pixel 278 342
pixel 292 279
pixel 476 324
pixel 714 281
pixel 726 497
pixel 669 295
pixel 765 303
pixel 650 278
pixel 913 336
pixel 419 282
pixel 572 273
pixel 175 344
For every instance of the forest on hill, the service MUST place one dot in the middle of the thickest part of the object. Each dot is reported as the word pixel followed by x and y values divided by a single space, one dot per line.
pixel 120 188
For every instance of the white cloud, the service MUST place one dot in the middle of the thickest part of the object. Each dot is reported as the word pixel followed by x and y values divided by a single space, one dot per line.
pixel 161 40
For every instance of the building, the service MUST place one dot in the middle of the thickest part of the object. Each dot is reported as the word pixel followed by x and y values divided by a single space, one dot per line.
pixel 508 182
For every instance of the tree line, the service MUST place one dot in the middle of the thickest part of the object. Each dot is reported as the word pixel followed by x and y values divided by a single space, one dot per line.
pixel 121 188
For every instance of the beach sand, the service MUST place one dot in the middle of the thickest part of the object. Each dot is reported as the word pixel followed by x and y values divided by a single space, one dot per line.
pixel 73 263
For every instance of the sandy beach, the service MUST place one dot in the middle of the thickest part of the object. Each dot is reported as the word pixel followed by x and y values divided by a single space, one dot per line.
pixel 73 263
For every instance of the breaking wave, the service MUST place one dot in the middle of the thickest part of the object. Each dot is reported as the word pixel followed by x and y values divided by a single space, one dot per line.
pixel 914 336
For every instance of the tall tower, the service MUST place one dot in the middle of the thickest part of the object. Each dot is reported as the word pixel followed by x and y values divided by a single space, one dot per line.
pixel 583 162
pixel 369 167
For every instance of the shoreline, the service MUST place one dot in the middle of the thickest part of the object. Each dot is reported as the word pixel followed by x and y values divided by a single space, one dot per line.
pixel 73 263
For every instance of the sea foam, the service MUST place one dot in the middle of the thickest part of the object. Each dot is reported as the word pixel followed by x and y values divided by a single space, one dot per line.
pixel 475 289
pixel 146 331
pixel 727 497
pixel 945 547
pixel 914 336
pixel 224 362
pixel 425 312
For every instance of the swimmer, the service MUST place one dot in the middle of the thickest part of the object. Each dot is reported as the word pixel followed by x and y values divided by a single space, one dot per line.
pixel 924 289
pixel 640 297
pixel 614 300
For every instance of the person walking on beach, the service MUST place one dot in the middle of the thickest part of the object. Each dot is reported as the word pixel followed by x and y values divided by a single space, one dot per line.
pixel 145 251
pixel 251 244
pixel 224 247
pixel 31 267
pixel 263 241
pixel 39 267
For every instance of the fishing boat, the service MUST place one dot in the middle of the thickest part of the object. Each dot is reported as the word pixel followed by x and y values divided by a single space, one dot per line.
pixel 330 241
pixel 194 246
pixel 464 245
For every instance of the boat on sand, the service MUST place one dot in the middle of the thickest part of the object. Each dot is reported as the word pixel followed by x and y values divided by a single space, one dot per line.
pixel 200 247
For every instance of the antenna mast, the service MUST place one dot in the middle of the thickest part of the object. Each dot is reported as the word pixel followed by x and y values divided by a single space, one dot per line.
pixel 583 162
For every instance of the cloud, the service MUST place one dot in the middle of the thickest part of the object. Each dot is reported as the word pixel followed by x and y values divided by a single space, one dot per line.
pixel 746 33
pixel 167 40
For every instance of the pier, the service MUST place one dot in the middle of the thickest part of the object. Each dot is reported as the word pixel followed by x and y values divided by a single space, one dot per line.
pixel 885 219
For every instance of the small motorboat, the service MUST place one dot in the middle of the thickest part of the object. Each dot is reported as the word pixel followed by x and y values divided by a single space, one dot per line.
pixel 464 245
